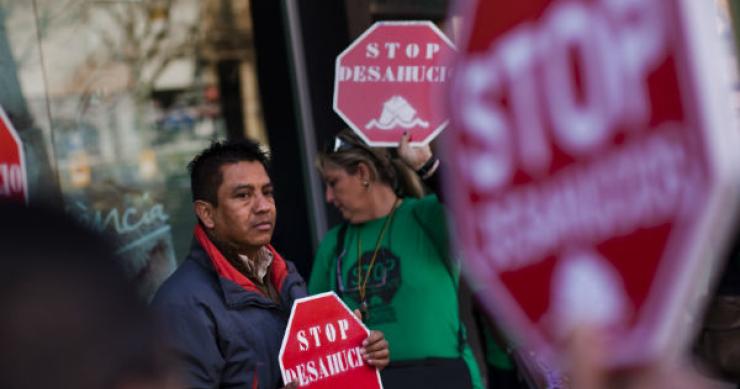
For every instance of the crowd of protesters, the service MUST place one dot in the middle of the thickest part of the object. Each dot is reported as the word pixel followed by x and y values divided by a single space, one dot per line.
pixel 72 320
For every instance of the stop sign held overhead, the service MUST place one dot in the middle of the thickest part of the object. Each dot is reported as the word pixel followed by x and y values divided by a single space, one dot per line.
pixel 322 345
pixel 391 79
pixel 592 167
pixel 13 184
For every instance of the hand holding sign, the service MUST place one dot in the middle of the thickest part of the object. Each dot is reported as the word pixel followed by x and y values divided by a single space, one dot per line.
pixel 587 352
pixel 375 347
pixel 414 157
pixel 326 346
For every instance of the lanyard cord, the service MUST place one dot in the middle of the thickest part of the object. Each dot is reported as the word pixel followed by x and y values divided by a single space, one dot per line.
pixel 362 284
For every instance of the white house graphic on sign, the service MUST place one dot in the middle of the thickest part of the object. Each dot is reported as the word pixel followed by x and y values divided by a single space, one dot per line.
pixel 397 112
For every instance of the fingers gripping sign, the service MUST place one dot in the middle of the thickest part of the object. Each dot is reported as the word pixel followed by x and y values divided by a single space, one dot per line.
pixel 413 156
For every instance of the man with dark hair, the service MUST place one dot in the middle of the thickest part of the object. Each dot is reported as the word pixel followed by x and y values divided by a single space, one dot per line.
pixel 227 305
pixel 205 177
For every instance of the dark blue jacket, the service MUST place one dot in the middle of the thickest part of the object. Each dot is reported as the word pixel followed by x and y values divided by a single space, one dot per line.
pixel 224 335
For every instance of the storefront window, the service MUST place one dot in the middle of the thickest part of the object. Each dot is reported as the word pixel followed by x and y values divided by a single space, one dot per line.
pixel 121 95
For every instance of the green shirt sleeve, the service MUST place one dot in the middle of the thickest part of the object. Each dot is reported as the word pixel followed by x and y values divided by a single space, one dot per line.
pixel 322 270
pixel 431 216
pixel 430 212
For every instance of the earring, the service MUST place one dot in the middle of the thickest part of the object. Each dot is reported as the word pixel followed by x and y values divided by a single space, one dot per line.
pixel 366 184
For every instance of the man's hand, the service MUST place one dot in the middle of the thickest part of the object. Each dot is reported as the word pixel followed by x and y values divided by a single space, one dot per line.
pixel 414 157
pixel 587 352
pixel 375 348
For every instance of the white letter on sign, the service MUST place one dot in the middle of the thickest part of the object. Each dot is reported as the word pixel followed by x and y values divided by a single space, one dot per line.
pixel 580 124
pixel 491 165
pixel 641 41
pixel 343 327
pixel 4 180
pixel 345 73
pixel 330 332
pixel 302 341
pixel 372 50
pixel 412 50
pixel 315 330
pixel 391 48
pixel 518 53
pixel 432 48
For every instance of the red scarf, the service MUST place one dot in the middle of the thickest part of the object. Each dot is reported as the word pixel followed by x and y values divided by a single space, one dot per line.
pixel 278 268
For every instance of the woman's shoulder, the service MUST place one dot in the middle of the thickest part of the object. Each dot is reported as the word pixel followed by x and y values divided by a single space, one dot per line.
pixel 330 237
pixel 334 231
pixel 420 202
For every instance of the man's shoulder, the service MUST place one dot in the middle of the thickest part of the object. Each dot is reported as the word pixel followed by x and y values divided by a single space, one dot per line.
pixel 190 282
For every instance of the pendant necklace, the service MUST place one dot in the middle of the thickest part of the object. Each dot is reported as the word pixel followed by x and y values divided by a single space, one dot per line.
pixel 362 284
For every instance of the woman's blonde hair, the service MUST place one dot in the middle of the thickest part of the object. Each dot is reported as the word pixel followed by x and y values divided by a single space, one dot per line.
pixel 348 151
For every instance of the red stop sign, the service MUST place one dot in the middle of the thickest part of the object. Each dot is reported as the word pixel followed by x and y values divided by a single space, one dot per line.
pixel 588 165
pixel 390 80
pixel 321 346
pixel 12 162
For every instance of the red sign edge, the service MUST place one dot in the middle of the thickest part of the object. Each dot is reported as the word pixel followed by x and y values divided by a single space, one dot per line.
pixel 712 233
pixel 21 151
pixel 427 23
pixel 292 315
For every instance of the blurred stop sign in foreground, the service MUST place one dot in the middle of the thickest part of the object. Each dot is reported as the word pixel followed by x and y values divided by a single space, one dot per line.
pixel 591 167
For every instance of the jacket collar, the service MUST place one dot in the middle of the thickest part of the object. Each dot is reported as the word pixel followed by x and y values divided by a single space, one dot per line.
pixel 233 283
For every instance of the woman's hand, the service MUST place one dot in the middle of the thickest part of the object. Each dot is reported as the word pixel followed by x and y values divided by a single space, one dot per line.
pixel 415 157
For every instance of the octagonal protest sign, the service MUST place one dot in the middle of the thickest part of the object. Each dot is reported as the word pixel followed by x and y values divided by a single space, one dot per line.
pixel 591 167
pixel 392 79
pixel 13 182
pixel 322 344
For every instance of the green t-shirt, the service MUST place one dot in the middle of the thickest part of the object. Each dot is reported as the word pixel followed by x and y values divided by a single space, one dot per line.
pixel 411 295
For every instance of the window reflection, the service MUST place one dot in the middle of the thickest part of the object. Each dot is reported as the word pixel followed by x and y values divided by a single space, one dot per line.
pixel 120 95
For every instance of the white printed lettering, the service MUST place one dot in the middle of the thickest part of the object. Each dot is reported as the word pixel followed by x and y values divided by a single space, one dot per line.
pixel 372 50
pixel 302 341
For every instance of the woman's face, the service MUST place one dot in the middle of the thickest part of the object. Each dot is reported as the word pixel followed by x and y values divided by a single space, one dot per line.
pixel 346 192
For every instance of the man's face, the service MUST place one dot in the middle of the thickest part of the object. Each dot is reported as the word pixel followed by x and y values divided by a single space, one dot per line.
pixel 245 215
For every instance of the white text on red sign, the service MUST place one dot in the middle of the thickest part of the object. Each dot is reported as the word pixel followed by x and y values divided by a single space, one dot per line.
pixel 616 43
pixel 329 334
pixel 11 180
pixel 330 364
pixel 400 73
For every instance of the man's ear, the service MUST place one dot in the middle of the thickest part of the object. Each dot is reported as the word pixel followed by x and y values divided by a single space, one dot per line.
pixel 204 211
